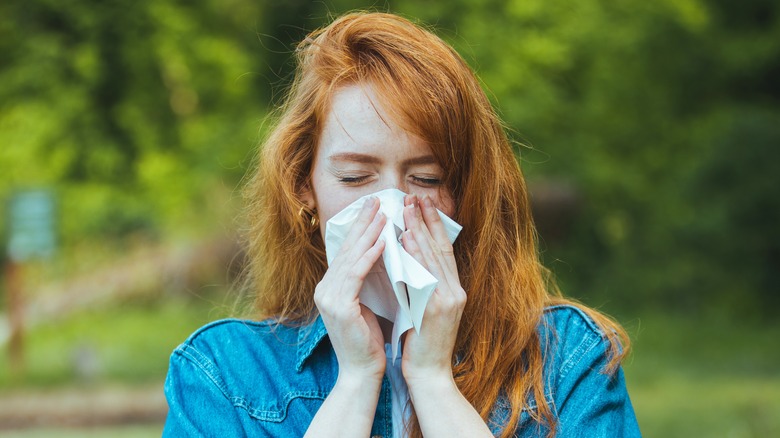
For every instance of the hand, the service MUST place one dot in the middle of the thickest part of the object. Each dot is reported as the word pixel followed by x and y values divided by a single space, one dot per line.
pixel 427 356
pixel 353 329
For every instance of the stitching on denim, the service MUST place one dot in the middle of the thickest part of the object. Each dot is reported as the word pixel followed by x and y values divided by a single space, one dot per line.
pixel 388 401
pixel 307 342
pixel 590 338
pixel 279 414
pixel 211 371
pixel 532 406
pixel 204 364
pixel 588 344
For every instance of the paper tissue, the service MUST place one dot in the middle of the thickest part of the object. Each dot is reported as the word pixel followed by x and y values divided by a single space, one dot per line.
pixel 398 287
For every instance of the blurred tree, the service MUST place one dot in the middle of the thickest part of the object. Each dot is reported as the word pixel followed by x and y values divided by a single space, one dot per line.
pixel 655 123
pixel 650 111
pixel 136 111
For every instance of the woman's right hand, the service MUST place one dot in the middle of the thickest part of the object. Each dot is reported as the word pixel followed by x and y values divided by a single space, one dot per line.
pixel 353 329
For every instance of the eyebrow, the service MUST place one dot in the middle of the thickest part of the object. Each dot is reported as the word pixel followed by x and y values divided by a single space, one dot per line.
pixel 355 157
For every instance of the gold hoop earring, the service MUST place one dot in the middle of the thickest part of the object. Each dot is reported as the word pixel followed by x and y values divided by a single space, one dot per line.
pixel 310 218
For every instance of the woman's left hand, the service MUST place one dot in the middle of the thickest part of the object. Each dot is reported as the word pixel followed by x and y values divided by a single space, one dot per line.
pixel 427 356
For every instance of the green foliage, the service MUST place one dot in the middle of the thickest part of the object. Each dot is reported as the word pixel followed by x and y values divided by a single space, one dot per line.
pixel 661 115
pixel 137 111
pixel 664 117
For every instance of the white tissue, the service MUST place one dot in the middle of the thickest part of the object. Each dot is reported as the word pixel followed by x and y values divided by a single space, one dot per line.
pixel 398 287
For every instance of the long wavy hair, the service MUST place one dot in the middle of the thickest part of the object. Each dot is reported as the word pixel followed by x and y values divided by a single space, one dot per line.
pixel 432 93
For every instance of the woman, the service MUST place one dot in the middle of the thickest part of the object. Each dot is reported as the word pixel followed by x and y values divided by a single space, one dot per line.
pixel 380 103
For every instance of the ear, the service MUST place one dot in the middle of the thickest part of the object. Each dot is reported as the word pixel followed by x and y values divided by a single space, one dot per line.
pixel 306 195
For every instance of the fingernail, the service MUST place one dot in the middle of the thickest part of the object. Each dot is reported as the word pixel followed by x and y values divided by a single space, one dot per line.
pixel 414 199
pixel 427 202
pixel 369 202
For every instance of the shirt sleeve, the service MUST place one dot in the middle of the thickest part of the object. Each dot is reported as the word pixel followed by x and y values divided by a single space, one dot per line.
pixel 198 405
pixel 591 401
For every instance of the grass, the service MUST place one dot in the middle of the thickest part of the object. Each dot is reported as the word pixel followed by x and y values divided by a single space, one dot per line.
pixel 678 406
pixel 152 430
pixel 129 341
pixel 705 377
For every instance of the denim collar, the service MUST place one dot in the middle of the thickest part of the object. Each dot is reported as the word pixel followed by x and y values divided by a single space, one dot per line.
pixel 309 336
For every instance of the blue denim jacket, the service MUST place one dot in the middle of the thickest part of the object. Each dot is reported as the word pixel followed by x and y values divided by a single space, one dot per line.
pixel 236 378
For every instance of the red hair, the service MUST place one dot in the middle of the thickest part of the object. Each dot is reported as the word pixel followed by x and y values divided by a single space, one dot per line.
pixel 433 94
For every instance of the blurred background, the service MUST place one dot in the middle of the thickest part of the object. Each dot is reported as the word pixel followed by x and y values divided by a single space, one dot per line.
pixel 648 131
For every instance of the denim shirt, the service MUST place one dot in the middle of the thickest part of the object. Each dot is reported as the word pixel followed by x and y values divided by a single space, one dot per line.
pixel 237 378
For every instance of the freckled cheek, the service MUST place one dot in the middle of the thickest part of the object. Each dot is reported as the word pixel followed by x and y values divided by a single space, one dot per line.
pixel 331 202
pixel 329 209
pixel 447 206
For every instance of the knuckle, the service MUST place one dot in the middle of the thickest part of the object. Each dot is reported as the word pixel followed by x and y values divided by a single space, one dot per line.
pixel 342 313
pixel 319 291
pixel 322 301
pixel 455 300
pixel 450 302
pixel 460 297
pixel 353 275
pixel 338 314
pixel 345 247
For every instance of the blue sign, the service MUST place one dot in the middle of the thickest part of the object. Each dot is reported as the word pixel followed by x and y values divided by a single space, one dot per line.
pixel 31 225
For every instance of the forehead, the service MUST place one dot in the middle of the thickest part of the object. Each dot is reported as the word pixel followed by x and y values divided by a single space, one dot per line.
pixel 358 122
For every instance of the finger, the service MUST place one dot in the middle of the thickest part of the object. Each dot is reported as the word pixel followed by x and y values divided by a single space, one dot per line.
pixel 347 258
pixel 436 227
pixel 430 216
pixel 420 241
pixel 412 248
pixel 349 277
pixel 353 280
pixel 442 267
pixel 370 317
pixel 370 235
pixel 364 219
pixel 453 294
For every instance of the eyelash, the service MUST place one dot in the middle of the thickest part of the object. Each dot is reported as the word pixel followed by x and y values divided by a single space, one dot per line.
pixel 427 181
pixel 353 180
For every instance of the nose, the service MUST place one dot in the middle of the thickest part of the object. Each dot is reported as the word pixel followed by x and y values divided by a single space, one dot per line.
pixel 395 182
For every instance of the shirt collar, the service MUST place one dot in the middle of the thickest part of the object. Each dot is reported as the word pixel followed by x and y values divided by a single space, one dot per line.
pixel 309 336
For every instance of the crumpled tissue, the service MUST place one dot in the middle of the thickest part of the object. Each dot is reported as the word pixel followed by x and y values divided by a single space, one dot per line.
pixel 398 287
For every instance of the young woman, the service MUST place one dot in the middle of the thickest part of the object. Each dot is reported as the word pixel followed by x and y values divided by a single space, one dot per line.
pixel 378 103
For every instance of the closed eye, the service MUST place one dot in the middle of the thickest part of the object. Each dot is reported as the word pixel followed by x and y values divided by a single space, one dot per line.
pixel 349 180
pixel 426 181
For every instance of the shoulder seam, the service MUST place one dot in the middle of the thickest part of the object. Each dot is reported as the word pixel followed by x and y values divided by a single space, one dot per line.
pixel 191 354
pixel 588 321
pixel 592 337
pixel 584 347
pixel 220 322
